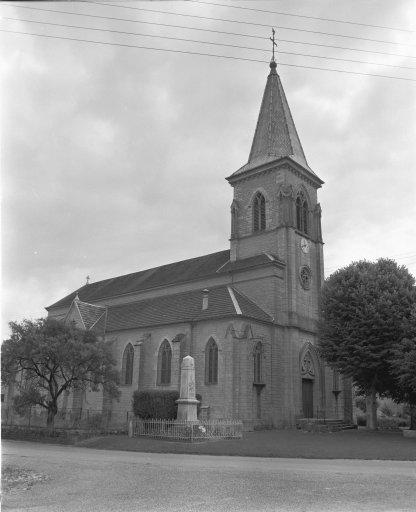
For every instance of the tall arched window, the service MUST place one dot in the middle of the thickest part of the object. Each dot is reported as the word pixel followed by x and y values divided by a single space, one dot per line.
pixel 127 365
pixel 164 363
pixel 257 362
pixel 302 213
pixel 259 212
pixel 211 362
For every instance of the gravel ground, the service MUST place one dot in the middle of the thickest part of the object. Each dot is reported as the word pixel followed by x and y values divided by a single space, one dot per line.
pixel 81 479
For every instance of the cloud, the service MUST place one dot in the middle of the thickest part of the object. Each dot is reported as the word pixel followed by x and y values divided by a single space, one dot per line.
pixel 114 159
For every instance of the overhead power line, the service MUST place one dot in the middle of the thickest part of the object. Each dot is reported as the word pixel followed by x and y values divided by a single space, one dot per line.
pixel 304 16
pixel 204 42
pixel 252 36
pixel 251 23
pixel 106 43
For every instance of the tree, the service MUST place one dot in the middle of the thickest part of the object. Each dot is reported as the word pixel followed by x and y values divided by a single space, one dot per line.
pixel 52 357
pixel 403 364
pixel 365 309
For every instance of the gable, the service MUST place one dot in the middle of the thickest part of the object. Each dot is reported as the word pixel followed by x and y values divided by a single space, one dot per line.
pixel 74 315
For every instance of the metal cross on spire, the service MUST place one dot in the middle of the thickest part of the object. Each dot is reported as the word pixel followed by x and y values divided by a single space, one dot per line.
pixel 274 42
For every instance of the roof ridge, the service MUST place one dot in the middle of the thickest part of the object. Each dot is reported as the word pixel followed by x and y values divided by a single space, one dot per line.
pixel 234 300
pixel 155 268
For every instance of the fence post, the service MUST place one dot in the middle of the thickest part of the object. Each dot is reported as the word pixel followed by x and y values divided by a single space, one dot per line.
pixel 30 414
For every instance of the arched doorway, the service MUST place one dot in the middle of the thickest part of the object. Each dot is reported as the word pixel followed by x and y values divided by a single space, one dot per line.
pixel 307 370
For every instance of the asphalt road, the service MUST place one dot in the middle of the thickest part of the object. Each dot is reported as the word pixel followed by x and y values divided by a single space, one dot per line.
pixel 82 479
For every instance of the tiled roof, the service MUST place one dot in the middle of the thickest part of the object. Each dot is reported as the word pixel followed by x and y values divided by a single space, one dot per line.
pixel 275 136
pixel 90 313
pixel 172 273
pixel 252 261
pixel 182 307
pixel 250 308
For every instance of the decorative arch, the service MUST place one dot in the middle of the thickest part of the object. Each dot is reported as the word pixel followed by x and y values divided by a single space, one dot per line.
pixel 312 380
pixel 239 330
pixel 164 364
pixel 211 362
pixel 258 353
pixel 259 212
pixel 127 365
pixel 307 366
pixel 309 361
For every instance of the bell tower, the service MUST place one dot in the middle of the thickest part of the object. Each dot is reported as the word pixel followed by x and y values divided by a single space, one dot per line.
pixel 275 209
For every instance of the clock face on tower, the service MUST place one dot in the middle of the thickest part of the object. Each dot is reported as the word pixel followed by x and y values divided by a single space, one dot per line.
pixel 304 245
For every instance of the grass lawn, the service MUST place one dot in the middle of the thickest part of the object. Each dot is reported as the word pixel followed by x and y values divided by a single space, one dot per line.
pixel 347 444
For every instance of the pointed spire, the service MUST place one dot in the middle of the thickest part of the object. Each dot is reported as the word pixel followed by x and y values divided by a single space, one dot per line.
pixel 275 134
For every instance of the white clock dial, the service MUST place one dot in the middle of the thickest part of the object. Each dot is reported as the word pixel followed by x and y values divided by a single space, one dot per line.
pixel 304 245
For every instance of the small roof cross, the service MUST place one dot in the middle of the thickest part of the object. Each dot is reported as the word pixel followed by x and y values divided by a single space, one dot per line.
pixel 272 39
pixel 88 280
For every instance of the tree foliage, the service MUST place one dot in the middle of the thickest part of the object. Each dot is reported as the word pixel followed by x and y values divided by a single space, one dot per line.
pixel 403 367
pixel 365 312
pixel 49 357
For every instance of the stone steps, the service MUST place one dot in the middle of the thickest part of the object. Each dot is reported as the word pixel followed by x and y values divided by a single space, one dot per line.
pixel 323 425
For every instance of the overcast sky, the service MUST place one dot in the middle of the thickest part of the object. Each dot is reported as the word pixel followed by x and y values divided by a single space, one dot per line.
pixel 114 158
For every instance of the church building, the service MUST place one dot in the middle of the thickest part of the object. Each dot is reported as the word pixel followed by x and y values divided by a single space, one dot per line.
pixel 247 314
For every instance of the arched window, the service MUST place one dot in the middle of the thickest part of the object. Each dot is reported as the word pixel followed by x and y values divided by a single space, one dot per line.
pixel 259 212
pixel 127 365
pixel 302 213
pixel 211 362
pixel 164 363
pixel 257 362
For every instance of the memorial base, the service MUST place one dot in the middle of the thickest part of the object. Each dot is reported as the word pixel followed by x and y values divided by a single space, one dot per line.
pixel 187 409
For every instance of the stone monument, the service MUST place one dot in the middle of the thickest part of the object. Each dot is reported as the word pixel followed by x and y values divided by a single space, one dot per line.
pixel 187 403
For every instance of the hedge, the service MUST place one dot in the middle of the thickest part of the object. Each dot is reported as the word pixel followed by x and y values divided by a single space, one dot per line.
pixel 157 404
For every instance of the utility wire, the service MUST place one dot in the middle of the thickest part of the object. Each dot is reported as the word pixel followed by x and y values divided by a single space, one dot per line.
pixel 301 16
pixel 204 42
pixel 252 23
pixel 209 30
pixel 208 55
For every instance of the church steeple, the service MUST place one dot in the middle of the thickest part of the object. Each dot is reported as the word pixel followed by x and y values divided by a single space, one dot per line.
pixel 275 136
pixel 275 191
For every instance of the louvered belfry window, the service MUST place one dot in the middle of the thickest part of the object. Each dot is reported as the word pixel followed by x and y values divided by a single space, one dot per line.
pixel 211 362
pixel 127 365
pixel 164 363
pixel 302 213
pixel 259 212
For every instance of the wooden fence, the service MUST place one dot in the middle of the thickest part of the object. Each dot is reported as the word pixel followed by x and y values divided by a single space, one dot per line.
pixel 186 431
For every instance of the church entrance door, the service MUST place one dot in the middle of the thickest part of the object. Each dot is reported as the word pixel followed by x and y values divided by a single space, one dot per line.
pixel 307 398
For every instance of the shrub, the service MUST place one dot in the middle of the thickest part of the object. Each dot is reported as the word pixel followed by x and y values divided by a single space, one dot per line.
pixel 158 403
pixel 391 423
pixel 386 410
